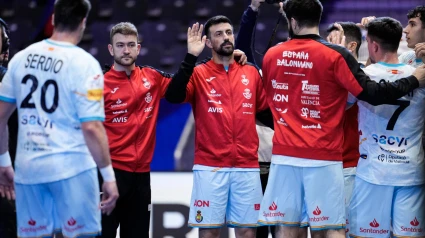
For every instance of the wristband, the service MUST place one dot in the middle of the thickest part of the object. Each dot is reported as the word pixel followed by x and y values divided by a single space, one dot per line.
pixel 5 160
pixel 108 174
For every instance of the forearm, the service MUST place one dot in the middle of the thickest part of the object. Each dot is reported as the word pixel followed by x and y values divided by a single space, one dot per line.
pixel 382 93
pixel 4 141
pixel 245 35
pixel 97 142
pixel 176 91
pixel 266 118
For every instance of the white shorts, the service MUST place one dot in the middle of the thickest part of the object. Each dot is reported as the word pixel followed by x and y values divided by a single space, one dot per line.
pixel 293 191
pixel 216 196
pixel 349 178
pixel 373 207
pixel 70 206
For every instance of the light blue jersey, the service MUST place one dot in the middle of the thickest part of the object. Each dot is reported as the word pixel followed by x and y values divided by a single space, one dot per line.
pixel 56 86
pixel 390 134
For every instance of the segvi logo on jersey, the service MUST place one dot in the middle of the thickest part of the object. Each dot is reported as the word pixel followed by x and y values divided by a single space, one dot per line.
pixel 248 105
pixel 118 103
pixel 95 88
pixel 280 98
pixel 216 102
pixel 214 93
pixel 148 97
pixel 247 94
pixel 244 80
pixel 148 109
pixel 215 109
pixel 34 120
pixel 276 85
pixel 119 119
pixel 310 88
pixel 114 90
pixel 390 140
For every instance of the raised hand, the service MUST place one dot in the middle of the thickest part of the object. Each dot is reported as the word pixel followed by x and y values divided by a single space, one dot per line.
pixel 337 37
pixel 365 20
pixel 255 4
pixel 195 40
pixel 420 51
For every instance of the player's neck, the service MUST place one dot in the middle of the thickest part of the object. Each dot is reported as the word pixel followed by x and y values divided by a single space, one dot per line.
pixel 224 60
pixel 389 58
pixel 307 31
pixel 127 69
pixel 64 36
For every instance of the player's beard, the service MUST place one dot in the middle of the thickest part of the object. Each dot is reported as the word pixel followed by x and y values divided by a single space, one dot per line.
pixel 120 60
pixel 224 51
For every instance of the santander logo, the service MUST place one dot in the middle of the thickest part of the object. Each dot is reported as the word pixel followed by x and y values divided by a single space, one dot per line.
pixel 415 222
pixel 374 223
pixel 31 222
pixel 317 211
pixel 72 221
pixel 273 207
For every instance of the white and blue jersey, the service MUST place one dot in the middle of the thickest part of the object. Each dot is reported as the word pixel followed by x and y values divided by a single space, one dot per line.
pixel 56 86
pixel 390 148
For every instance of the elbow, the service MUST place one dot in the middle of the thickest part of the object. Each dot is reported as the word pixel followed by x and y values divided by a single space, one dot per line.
pixel 91 127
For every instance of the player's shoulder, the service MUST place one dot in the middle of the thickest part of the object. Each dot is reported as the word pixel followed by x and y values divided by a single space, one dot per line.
pixel 407 57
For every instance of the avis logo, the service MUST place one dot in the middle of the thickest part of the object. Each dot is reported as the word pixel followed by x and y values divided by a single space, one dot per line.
pixel 119 119
pixel 374 223
pixel 72 221
pixel 415 222
pixel 317 211
pixel 215 109
pixel 273 207
pixel 31 222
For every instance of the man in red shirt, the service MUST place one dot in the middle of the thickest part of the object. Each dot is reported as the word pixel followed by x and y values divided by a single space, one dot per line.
pixel 132 96
pixel 225 98
pixel 306 171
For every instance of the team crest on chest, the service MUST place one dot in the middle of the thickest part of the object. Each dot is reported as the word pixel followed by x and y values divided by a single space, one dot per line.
pixel 244 80
pixel 148 97
pixel 247 94
pixel 146 83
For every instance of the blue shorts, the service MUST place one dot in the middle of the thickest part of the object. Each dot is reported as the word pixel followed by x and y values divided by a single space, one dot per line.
pixel 374 208
pixel 70 206
pixel 233 197
pixel 312 194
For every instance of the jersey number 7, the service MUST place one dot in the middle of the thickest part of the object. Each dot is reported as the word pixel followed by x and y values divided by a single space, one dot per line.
pixel 402 105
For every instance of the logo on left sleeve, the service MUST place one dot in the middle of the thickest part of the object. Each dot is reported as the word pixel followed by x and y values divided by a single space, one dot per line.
pixel 95 88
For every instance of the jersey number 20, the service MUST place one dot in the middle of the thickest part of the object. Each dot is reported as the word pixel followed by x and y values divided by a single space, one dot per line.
pixel 26 102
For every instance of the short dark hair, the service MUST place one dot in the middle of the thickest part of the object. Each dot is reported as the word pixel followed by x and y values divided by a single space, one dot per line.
pixel 305 12
pixel 125 28
pixel 352 32
pixel 214 21
pixel 386 31
pixel 418 11
pixel 70 13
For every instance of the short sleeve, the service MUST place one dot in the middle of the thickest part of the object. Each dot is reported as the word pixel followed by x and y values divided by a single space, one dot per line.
pixel 89 93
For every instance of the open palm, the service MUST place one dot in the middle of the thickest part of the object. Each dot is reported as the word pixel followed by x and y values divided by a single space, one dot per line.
pixel 195 40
